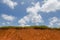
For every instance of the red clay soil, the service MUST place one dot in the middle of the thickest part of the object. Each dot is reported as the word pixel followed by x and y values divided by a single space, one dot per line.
pixel 29 34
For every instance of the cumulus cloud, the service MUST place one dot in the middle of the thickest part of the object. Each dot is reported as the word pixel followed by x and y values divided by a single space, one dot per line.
pixel 32 16
pixel 8 17
pixel 34 19
pixel 10 3
pixel 22 3
pixel 24 20
pixel 8 22
pixel 50 5
pixel 37 19
pixel 34 9
pixel 3 23
pixel 54 21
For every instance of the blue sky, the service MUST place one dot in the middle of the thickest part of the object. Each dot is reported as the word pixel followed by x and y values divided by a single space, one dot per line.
pixel 32 12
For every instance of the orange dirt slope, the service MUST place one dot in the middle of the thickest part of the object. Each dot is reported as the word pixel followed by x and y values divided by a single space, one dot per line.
pixel 29 34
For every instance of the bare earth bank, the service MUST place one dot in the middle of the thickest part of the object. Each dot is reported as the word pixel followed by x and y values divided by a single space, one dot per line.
pixel 29 34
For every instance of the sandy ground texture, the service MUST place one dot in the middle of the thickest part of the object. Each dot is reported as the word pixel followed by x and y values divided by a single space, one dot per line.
pixel 29 34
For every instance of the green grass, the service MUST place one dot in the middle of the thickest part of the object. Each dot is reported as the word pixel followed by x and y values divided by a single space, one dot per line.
pixel 24 27
pixel 35 27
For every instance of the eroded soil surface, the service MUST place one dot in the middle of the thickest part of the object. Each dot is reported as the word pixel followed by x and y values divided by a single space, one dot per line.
pixel 29 34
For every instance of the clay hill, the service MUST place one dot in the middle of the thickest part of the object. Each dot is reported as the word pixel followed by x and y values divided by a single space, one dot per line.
pixel 29 34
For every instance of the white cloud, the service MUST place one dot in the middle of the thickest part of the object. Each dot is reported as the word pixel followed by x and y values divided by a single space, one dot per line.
pixel 47 6
pixel 22 3
pixel 50 5
pixel 33 16
pixel 54 21
pixel 8 22
pixel 8 17
pixel 37 19
pixel 3 23
pixel 34 9
pixel 34 19
pixel 32 3
pixel 25 20
pixel 10 3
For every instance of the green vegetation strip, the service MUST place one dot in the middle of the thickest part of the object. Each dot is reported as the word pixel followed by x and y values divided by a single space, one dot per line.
pixel 24 27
